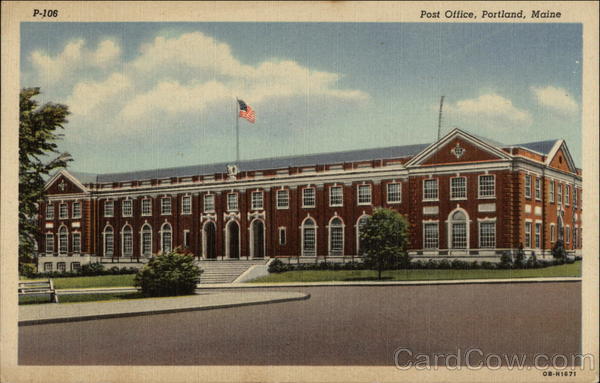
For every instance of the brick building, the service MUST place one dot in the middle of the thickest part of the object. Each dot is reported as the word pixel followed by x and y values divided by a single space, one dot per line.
pixel 466 197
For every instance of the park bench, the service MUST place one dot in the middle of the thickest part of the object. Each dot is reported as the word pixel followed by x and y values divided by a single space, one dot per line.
pixel 37 288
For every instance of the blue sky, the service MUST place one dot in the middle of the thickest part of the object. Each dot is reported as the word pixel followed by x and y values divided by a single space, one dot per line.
pixel 146 95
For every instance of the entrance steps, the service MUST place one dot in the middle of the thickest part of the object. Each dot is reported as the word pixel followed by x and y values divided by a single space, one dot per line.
pixel 227 270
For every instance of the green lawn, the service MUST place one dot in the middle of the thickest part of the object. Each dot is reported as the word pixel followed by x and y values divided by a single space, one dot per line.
pixel 78 298
pixel 566 270
pixel 122 280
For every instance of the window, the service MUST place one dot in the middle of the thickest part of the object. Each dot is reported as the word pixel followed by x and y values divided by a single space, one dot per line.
pixel 232 201
pixel 309 238
pixel 567 234
pixel 76 210
pixel 527 234
pixel 146 240
pixel 50 243
pixel 282 236
pixel 362 221
pixel 575 236
pixel 50 213
pixel 257 200
pixel 567 195
pixel 538 235
pixel 166 238
pixel 209 202
pixel 61 267
pixel 186 204
pixel 63 240
pixel 527 186
pixel 165 206
pixel 63 211
pixel 283 199
pixel 552 233
pixel 538 188
pixel 109 208
pixel 551 191
pixel 364 194
pixel 127 208
pixel 76 239
pixel 308 197
pixel 459 230
pixel 75 266
pixel 487 186
pixel 109 242
pixel 487 235
pixel 560 194
pixel 394 193
pixel 336 197
pixel 186 238
pixel 575 197
pixel 127 243
pixel 336 237
pixel 458 188
pixel 47 266
pixel 430 189
pixel 146 206
pixel 430 235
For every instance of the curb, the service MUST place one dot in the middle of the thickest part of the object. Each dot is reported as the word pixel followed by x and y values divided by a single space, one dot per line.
pixel 162 311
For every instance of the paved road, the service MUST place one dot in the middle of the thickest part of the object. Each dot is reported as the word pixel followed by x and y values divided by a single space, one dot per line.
pixel 336 326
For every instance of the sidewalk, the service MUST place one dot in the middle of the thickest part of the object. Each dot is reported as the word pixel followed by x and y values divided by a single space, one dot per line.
pixel 68 312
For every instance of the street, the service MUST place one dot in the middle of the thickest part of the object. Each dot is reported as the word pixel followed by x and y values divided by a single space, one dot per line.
pixel 343 325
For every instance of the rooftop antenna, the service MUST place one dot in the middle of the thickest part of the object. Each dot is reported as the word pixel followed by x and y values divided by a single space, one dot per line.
pixel 440 118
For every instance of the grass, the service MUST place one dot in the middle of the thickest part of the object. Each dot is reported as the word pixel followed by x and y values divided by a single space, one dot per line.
pixel 566 270
pixel 121 280
pixel 79 298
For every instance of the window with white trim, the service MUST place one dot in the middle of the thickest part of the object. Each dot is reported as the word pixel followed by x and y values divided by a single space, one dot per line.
pixel 146 240
pixel 551 191
pixel 282 236
pixel 165 206
pixel 560 194
pixel 575 197
pixel 487 235
pixel 459 230
pixel 538 235
pixel 527 234
pixel 49 243
pixel 283 199
pixel 166 238
pixel 487 186
pixel 309 238
pixel 63 211
pixel 232 201
pixel 187 238
pixel 146 207
pixel 76 213
pixel 76 242
pixel 209 202
pixel 336 237
pixel 394 193
pixel 127 241
pixel 61 267
pixel 567 195
pixel 458 188
pixel 431 235
pixel 527 186
pixel 109 242
pixel 257 200
pixel 75 266
pixel 364 194
pixel 63 240
pixel 430 189
pixel 362 221
pixel 575 236
pixel 49 211
pixel 336 196
pixel 538 188
pixel 186 205
pixel 109 208
pixel 308 197
pixel 127 208
pixel 47 266
pixel 567 234
pixel 552 233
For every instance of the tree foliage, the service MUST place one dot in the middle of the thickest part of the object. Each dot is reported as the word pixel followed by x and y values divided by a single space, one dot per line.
pixel 38 156
pixel 169 274
pixel 384 238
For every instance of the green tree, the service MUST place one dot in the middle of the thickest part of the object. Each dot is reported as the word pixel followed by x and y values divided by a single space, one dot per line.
pixel 169 274
pixel 38 156
pixel 384 238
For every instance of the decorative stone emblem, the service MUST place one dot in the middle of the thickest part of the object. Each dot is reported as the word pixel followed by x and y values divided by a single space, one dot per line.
pixel 232 171
pixel 458 151
pixel 62 185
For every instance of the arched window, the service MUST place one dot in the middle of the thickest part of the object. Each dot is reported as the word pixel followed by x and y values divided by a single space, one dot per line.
pixel 127 241
pixel 166 238
pixel 336 237
pixel 360 223
pixel 109 241
pixel 309 237
pixel 459 234
pixel 63 240
pixel 146 240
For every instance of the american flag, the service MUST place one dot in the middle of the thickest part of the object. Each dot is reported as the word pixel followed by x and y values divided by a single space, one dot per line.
pixel 247 112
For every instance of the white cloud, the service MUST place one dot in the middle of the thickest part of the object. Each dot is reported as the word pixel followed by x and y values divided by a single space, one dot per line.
pixel 491 108
pixel 87 96
pixel 75 55
pixel 555 98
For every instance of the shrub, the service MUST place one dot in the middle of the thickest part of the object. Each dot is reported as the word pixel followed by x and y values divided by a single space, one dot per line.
pixel 277 266
pixel 168 274
pixel 506 261
pixel 558 251
pixel 28 270
pixel 92 269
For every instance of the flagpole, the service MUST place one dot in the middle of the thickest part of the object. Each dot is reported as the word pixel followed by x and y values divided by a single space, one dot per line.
pixel 237 132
